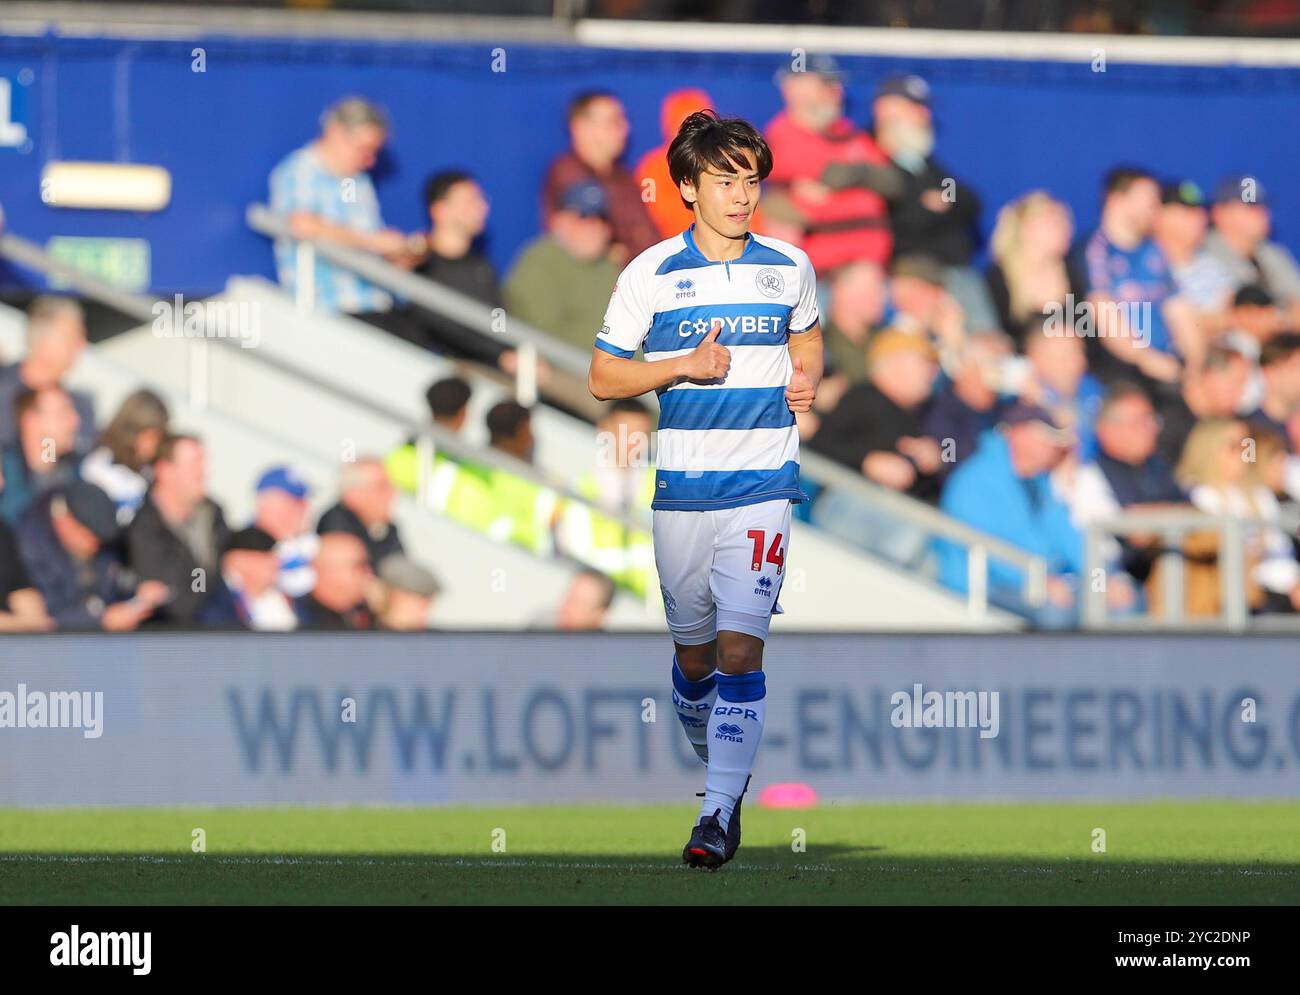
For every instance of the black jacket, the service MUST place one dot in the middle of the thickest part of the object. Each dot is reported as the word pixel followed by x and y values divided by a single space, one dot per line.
pixel 155 552
pixel 866 421
pixel 342 519
pixel 75 594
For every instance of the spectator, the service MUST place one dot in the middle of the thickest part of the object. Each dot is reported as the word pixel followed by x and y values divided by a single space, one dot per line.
pixel 177 535
pixel 510 429
pixel 458 213
pixel 246 595
pixel 972 402
pixel 1215 390
pixel 343 576
pixel 1239 243
pixel 811 133
pixel 365 509
pixel 280 511
pixel 523 511
pixel 1279 370
pixel 920 303
pixel 1220 474
pixel 877 430
pixel 409 590
pixel 68 540
pixel 930 212
pixel 1253 318
pixel 1058 380
pixel 562 281
pixel 1005 490
pixel 670 216
pixel 1180 235
pixel 22 608
pixel 121 465
pixel 448 401
pixel 598 132
pixel 1139 326
pixel 622 483
pixel 1127 472
pixel 859 305
pixel 1031 273
pixel 586 602
pixel 56 336
pixel 323 190
pixel 42 457
pixel 1275 467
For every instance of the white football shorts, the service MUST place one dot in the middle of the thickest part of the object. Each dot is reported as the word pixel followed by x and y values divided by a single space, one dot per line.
pixel 721 570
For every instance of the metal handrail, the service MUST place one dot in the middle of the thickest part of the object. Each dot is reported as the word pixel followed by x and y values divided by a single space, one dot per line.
pixel 143 307
pixel 477 316
pixel 1172 524
pixel 443 300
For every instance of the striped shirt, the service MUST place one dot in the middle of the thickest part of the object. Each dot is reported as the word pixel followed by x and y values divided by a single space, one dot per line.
pixel 734 442
pixel 302 183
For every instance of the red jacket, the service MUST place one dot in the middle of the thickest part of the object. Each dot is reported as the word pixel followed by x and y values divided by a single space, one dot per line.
pixel 849 224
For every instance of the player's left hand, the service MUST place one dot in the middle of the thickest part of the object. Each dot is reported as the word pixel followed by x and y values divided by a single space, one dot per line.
pixel 800 392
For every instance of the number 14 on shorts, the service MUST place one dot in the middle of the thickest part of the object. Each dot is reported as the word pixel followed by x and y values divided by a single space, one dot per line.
pixel 775 552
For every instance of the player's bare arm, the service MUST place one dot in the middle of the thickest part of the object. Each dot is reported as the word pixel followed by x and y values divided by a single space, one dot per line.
pixel 807 355
pixel 613 377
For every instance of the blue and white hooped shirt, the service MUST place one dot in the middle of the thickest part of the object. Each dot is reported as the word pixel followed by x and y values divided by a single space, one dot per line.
pixel 734 442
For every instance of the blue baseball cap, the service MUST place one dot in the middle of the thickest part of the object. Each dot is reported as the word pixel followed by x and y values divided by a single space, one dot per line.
pixel 585 198
pixel 283 478
pixel 1243 189
pixel 913 87
pixel 1024 413
pixel 817 64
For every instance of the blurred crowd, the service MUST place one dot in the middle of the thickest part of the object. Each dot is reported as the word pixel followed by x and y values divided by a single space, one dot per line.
pixel 1152 362
pixel 111 527
pixel 1027 388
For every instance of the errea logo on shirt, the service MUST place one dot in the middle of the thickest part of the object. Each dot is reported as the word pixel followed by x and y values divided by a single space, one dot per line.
pixel 744 324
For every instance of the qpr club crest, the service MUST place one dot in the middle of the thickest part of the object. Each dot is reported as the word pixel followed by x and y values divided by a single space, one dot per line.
pixel 670 603
pixel 770 282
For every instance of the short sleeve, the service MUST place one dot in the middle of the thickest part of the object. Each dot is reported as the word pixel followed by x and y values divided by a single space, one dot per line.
pixel 805 315
pixel 627 319
pixel 369 217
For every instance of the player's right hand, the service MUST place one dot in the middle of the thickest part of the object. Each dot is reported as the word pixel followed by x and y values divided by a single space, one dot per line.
pixel 709 361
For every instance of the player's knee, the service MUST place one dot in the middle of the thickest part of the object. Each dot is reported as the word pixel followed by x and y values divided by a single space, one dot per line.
pixel 739 653
pixel 697 662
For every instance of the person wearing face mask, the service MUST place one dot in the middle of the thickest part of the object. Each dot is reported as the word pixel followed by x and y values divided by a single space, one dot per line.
pixel 931 212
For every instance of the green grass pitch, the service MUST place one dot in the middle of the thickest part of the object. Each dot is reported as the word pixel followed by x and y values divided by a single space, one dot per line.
pixel 1219 853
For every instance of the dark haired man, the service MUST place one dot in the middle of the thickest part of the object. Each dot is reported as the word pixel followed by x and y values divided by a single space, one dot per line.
pixel 1140 329
pixel 448 401
pixel 729 326
pixel 177 535
pixel 458 213
pixel 598 135
pixel 42 457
